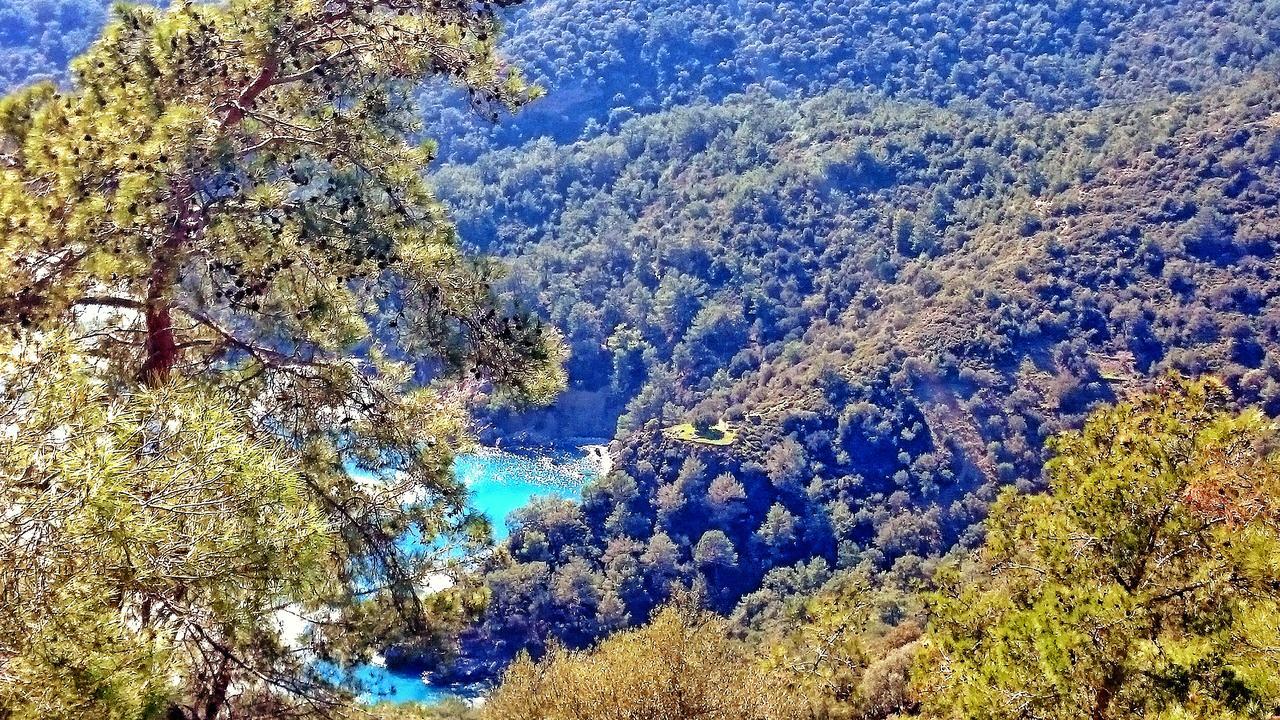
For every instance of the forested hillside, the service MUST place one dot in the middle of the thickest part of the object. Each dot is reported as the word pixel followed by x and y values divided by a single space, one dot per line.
pixel 892 304
pixel 938 344
pixel 1140 584
pixel 605 61
pixel 38 38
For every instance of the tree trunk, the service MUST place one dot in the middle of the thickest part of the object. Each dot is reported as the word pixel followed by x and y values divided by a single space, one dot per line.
pixel 218 692
pixel 161 346
pixel 1106 693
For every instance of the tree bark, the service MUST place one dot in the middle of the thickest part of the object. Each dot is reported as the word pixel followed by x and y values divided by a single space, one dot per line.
pixel 1106 693
pixel 161 343
pixel 246 98
pixel 160 346
pixel 218 692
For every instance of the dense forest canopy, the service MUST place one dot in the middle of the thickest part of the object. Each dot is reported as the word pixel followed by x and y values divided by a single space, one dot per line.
pixel 608 61
pixel 40 38
pixel 877 300
pixel 894 304
pixel 239 336
pixel 1142 584
pixel 895 297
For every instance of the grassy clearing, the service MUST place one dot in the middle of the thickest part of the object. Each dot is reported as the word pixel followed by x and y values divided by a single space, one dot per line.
pixel 719 435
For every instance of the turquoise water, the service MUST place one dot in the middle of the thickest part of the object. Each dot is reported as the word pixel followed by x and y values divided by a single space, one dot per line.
pixel 382 685
pixel 499 482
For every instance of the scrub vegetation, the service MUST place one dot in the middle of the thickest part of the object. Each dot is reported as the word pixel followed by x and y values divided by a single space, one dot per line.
pixel 939 344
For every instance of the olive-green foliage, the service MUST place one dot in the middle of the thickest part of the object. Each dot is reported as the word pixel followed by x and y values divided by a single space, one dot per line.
pixel 450 709
pixel 247 168
pixel 139 526
pixel 227 201
pixel 1142 585
pixel 610 61
pixel 846 651
pixel 931 293
pixel 681 665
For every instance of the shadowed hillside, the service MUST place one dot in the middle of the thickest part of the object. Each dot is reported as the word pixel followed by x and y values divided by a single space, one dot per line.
pixel 892 305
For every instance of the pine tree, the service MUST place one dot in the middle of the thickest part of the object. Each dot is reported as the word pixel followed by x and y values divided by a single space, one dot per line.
pixel 1143 585
pixel 228 202
pixel 146 537
pixel 683 664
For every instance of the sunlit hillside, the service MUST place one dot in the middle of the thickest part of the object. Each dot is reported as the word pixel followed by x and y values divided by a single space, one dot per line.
pixel 620 359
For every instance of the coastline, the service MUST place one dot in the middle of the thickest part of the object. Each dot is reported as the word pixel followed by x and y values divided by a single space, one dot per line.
pixel 600 454
pixel 499 478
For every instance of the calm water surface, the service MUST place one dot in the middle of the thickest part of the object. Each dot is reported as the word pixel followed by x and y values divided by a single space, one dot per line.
pixel 499 482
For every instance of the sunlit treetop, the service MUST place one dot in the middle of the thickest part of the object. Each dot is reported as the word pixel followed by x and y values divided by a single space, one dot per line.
pixel 1143 585
pixel 233 193
pixel 250 163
